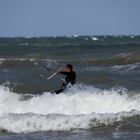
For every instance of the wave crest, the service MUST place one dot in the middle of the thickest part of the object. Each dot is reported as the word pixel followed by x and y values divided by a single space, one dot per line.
pixel 80 107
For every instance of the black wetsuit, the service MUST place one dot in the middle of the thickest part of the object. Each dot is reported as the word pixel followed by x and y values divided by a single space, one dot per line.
pixel 70 78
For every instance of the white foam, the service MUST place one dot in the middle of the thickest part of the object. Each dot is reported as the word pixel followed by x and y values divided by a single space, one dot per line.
pixel 33 122
pixel 13 59
pixel 75 36
pixel 125 68
pixel 116 68
pixel 74 109
pixel 78 100
pixel 94 38
pixel 132 36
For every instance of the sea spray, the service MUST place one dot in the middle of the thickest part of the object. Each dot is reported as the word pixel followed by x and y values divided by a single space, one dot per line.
pixel 77 100
pixel 80 107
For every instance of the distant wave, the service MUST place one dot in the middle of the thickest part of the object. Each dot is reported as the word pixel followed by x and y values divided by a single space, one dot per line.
pixel 119 59
pixel 121 69
pixel 116 60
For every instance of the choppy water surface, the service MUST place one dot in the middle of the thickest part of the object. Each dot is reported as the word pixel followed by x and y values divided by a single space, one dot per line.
pixel 104 104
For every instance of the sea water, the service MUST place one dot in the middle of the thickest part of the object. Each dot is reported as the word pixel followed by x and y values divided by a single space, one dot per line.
pixel 104 103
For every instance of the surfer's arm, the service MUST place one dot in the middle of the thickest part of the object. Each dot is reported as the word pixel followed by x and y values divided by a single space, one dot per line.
pixel 64 73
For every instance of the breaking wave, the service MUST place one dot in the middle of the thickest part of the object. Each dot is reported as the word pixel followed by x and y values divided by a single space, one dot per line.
pixel 80 107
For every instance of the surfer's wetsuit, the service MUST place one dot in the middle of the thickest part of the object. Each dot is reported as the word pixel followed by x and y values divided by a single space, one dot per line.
pixel 70 78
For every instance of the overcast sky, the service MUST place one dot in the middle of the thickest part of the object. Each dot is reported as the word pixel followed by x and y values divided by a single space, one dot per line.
pixel 69 17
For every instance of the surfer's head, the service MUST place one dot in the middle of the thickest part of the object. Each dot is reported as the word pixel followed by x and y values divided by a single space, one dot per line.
pixel 68 68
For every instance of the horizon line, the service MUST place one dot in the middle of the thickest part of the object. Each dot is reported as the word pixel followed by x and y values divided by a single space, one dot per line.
pixel 75 35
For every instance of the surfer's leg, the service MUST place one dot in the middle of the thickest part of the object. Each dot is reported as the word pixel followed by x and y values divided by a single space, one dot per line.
pixel 59 90
pixel 63 87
